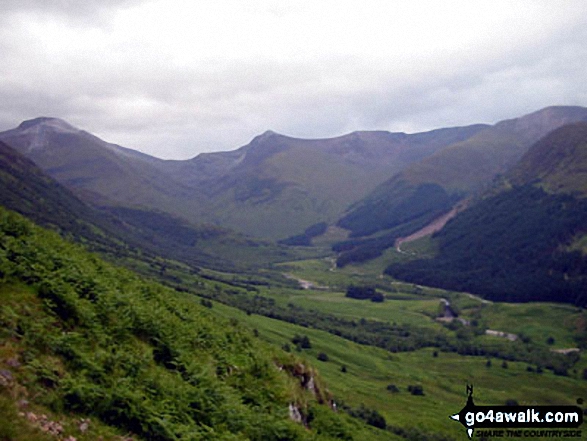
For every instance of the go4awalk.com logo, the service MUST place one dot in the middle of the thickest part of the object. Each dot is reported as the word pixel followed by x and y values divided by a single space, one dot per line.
pixel 520 421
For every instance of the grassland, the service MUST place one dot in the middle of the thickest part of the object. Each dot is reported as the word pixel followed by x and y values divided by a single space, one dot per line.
pixel 356 374
pixel 370 370
pixel 444 378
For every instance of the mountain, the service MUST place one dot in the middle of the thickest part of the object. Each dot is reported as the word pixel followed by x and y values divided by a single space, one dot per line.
pixel 99 172
pixel 28 190
pixel 431 187
pixel 459 169
pixel 122 231
pixel 278 185
pixel 522 240
pixel 273 187
pixel 558 162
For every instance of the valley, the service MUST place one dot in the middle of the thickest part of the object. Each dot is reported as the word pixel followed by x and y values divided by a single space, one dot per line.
pixel 214 298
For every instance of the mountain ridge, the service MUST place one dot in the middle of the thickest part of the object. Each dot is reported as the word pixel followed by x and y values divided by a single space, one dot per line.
pixel 558 161
pixel 277 186
pixel 518 241
pixel 461 169
pixel 120 231
pixel 273 187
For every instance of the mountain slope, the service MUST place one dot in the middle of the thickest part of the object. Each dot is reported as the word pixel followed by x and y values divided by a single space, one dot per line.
pixel 431 187
pixel 471 164
pixel 558 162
pixel 456 171
pixel 515 243
pixel 26 189
pixel 83 339
pixel 97 171
pixel 273 187
pixel 119 231
pixel 290 184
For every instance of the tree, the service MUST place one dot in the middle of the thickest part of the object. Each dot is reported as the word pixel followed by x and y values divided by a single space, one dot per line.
pixel 377 297
pixel 416 389
pixel 392 388
pixel 323 356
pixel 302 341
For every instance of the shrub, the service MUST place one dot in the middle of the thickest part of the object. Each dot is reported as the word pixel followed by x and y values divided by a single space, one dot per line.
pixel 302 341
pixel 377 297
pixel 416 389
pixel 392 388
pixel 322 357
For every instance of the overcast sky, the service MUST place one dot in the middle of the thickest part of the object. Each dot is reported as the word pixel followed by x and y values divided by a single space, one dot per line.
pixel 176 78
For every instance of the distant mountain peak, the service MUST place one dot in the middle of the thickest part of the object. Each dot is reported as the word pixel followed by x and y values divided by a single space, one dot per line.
pixel 45 122
pixel 264 136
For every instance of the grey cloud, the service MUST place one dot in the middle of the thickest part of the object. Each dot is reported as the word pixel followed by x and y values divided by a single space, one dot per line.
pixel 69 8
pixel 142 99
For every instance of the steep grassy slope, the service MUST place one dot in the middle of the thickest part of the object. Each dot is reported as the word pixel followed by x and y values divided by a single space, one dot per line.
pixel 516 244
pixel 81 338
pixel 369 372
pixel 455 172
pixel 26 189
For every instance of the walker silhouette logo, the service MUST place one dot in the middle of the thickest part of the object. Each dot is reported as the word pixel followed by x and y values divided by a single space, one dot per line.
pixel 519 421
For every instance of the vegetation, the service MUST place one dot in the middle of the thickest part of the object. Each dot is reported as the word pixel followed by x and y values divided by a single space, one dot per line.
pixel 364 293
pixel 123 233
pixel 422 203
pixel 88 350
pixel 370 370
pixel 305 239
pixel 85 337
pixel 506 248
pixel 558 161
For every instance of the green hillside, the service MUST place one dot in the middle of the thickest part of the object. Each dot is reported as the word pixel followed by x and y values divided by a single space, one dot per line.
pixel 558 162
pixel 432 186
pixel 290 184
pixel 84 341
pixel 523 240
pixel 97 171
pixel 25 188
pixel 126 232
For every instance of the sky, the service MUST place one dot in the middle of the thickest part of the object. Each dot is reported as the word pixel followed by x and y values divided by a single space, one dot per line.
pixel 177 78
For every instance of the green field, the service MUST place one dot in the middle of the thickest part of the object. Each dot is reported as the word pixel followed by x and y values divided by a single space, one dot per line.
pixel 405 347
pixel 538 321
pixel 442 375
pixel 444 378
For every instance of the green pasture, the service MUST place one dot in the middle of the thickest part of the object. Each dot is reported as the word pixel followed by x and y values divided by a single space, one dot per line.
pixel 444 378
pixel 538 321
pixel 411 310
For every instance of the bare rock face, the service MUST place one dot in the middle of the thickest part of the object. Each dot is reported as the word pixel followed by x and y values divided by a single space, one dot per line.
pixel 295 414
